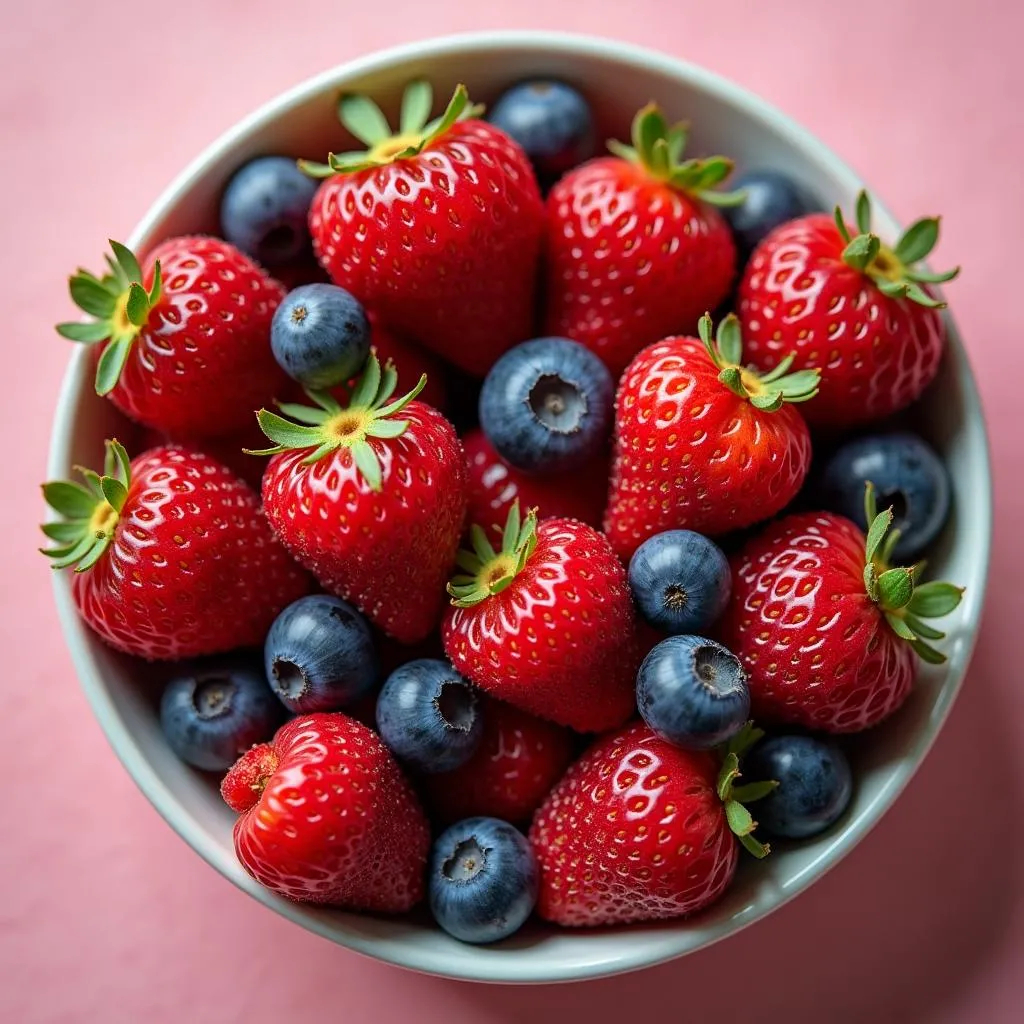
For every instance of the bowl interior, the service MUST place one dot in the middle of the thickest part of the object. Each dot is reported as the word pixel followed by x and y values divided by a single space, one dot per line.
pixel 725 119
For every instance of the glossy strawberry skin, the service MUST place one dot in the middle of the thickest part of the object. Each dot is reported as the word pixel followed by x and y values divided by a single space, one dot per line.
pixel 389 553
pixel 443 246
pixel 560 641
pixel 817 650
pixel 630 260
pixel 690 454
pixel 336 822
pixel 518 761
pixel 494 488
pixel 876 354
pixel 635 831
pixel 203 363
pixel 193 568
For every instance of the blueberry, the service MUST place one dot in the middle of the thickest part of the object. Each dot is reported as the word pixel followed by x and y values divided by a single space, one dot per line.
pixel 546 406
pixel 429 715
pixel 483 880
pixel 815 784
pixel 772 199
pixel 680 581
pixel 214 714
pixel 319 655
pixel 265 208
pixel 692 692
pixel 320 335
pixel 908 477
pixel 551 121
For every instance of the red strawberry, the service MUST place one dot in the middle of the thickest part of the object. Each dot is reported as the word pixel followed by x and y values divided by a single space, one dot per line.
pixel 825 629
pixel 546 623
pixel 848 305
pixel 701 442
pixel 185 341
pixel 372 505
pixel 174 556
pixel 438 229
pixel 636 250
pixel 638 830
pixel 327 817
pixel 495 487
pixel 518 761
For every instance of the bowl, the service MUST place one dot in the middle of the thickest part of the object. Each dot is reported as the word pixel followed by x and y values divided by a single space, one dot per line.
pixel 618 79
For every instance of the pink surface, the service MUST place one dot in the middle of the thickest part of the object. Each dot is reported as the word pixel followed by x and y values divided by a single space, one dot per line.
pixel 104 913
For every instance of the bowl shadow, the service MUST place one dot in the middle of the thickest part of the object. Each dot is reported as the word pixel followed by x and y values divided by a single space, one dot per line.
pixel 893 933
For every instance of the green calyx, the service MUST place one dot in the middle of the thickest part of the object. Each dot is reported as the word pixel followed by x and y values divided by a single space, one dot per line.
pixel 330 426
pixel 734 798
pixel 658 147
pixel 119 305
pixel 365 120
pixel 486 572
pixel 904 602
pixel 765 391
pixel 89 512
pixel 893 270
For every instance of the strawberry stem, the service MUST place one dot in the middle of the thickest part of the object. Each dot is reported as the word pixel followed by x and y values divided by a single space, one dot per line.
pixel 328 426
pixel 658 147
pixel 89 512
pixel 765 391
pixel 904 602
pixel 366 121
pixel 893 269
pixel 119 304
pixel 734 798
pixel 486 572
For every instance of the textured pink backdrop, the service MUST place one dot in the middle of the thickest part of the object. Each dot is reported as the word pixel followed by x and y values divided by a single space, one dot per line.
pixel 105 915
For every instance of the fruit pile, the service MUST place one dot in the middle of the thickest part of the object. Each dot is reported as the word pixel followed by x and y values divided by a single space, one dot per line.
pixel 483 605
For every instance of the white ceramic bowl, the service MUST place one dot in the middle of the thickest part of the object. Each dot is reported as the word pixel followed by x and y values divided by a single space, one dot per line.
pixel 618 79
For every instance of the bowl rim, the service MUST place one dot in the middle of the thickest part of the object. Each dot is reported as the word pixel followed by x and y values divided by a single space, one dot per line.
pixel 502 969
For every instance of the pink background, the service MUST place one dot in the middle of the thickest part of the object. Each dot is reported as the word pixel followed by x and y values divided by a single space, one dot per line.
pixel 104 913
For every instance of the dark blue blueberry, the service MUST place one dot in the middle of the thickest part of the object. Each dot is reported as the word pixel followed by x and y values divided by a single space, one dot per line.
pixel 908 477
pixel 772 199
pixel 680 581
pixel 319 655
pixel 692 692
pixel 815 784
pixel 265 208
pixel 551 121
pixel 546 406
pixel 483 880
pixel 429 715
pixel 214 714
pixel 320 335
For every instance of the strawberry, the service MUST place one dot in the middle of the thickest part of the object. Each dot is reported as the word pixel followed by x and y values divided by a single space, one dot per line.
pixel 174 556
pixel 546 623
pixel 494 487
pixel 518 761
pixel 636 249
pixel 184 343
pixel 639 830
pixel 826 630
pixel 326 816
pixel 849 305
pixel 701 442
pixel 438 229
pixel 372 505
